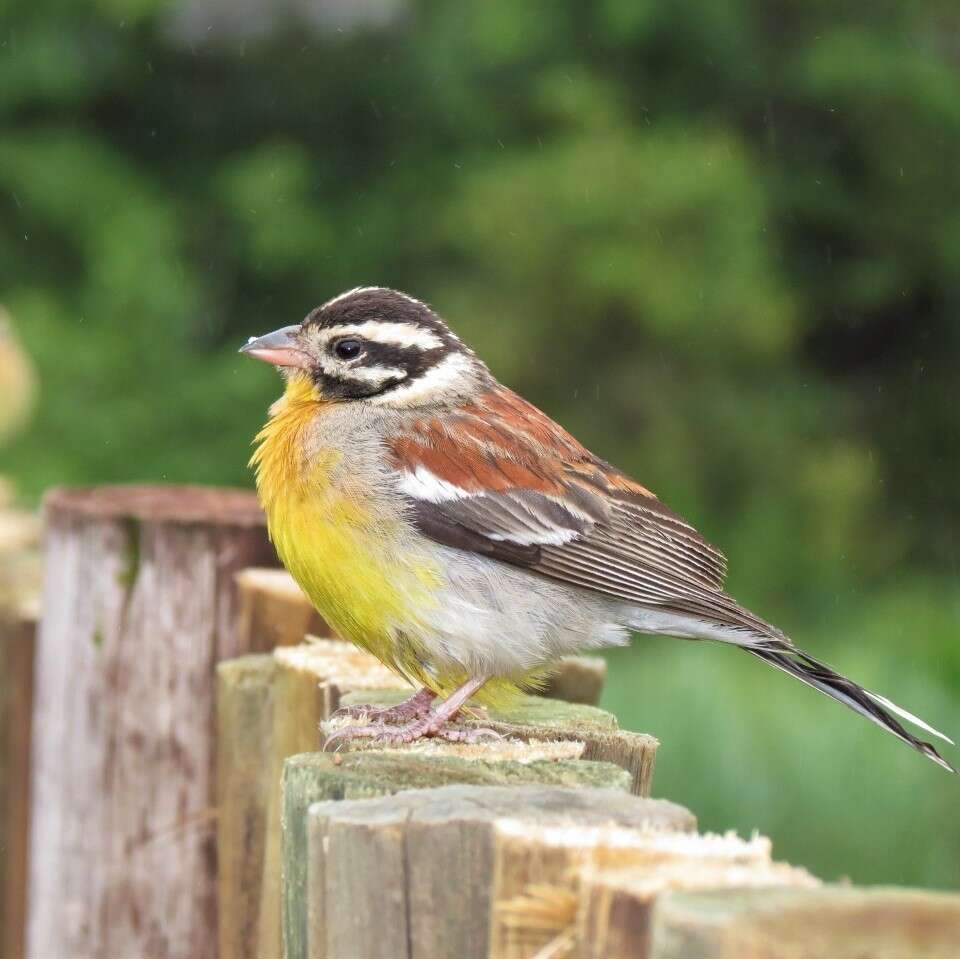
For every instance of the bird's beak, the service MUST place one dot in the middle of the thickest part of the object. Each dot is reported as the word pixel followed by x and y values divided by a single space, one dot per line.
pixel 279 348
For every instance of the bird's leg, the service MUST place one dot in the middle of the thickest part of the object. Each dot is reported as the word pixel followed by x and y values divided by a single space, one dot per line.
pixel 431 725
pixel 416 707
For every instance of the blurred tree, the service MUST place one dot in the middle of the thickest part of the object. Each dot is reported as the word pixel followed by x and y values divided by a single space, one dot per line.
pixel 719 241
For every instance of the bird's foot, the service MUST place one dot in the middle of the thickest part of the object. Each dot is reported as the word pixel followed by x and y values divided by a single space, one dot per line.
pixel 428 727
pixel 418 706
pixel 433 724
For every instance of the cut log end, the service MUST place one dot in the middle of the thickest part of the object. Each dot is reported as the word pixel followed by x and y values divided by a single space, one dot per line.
pixel 535 719
pixel 447 844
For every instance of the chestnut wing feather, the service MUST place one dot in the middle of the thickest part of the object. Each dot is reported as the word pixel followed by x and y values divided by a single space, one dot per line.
pixel 500 478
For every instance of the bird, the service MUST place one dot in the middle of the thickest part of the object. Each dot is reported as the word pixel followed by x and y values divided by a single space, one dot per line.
pixel 441 522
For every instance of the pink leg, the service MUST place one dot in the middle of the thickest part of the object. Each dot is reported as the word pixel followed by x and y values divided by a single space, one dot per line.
pixel 416 707
pixel 433 724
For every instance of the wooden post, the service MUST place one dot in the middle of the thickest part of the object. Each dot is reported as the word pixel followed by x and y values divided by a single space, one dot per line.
pixel 570 870
pixel 17 633
pixel 616 906
pixel 578 679
pixel 139 603
pixel 19 588
pixel 244 736
pixel 304 685
pixel 835 921
pixel 308 683
pixel 416 868
pixel 274 611
pixel 537 718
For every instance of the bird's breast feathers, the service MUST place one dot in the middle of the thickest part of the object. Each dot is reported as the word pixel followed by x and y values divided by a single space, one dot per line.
pixel 352 557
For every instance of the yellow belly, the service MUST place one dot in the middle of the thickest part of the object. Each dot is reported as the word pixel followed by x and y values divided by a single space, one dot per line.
pixel 348 558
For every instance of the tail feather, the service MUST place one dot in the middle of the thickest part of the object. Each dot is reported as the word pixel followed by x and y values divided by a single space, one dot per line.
pixel 876 708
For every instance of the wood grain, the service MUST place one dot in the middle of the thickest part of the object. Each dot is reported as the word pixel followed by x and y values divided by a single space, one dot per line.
pixel 139 604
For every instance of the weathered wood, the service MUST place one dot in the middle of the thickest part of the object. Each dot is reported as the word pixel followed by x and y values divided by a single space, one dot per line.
pixel 19 591
pixel 583 891
pixel 17 638
pixel 139 603
pixel 536 718
pixel 440 842
pixel 308 683
pixel 834 921
pixel 244 731
pixel 274 611
pixel 578 679
pixel 309 885
pixel 616 906
pixel 19 557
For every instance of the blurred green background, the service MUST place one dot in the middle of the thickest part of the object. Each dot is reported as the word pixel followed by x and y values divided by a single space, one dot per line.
pixel 718 239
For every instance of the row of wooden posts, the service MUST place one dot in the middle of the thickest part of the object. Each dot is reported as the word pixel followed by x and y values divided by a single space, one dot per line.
pixel 166 772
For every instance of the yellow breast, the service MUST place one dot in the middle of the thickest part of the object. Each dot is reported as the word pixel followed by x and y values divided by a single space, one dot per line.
pixel 346 552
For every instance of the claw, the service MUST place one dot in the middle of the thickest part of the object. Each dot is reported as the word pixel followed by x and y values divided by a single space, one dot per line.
pixel 391 735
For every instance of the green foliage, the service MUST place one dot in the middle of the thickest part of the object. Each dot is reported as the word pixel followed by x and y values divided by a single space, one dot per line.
pixel 719 241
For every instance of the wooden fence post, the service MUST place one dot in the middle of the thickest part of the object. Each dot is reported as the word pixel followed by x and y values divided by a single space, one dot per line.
pixel 139 603
pixel 19 586
pixel 17 636
pixel 417 868
pixel 834 921
pixel 274 611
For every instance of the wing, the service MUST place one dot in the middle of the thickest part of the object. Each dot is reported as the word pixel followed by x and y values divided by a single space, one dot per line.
pixel 500 478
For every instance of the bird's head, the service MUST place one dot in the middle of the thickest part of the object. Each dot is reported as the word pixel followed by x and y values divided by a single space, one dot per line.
pixel 375 345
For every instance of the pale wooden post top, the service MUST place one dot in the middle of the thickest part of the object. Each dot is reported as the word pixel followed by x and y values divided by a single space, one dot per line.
pixel 154 503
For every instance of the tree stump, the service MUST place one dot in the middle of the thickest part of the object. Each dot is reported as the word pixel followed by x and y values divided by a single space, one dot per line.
pixel 139 603
pixel 416 868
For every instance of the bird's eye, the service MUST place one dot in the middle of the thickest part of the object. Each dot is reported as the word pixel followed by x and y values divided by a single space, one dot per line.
pixel 348 349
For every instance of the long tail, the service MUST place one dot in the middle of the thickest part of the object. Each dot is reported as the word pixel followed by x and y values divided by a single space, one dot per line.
pixel 722 619
pixel 876 708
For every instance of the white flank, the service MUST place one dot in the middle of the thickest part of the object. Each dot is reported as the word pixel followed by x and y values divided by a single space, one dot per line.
pixel 424 485
pixel 451 374
pixel 390 334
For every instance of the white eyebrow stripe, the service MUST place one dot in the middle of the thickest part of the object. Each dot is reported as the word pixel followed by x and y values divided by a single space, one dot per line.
pixel 392 334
